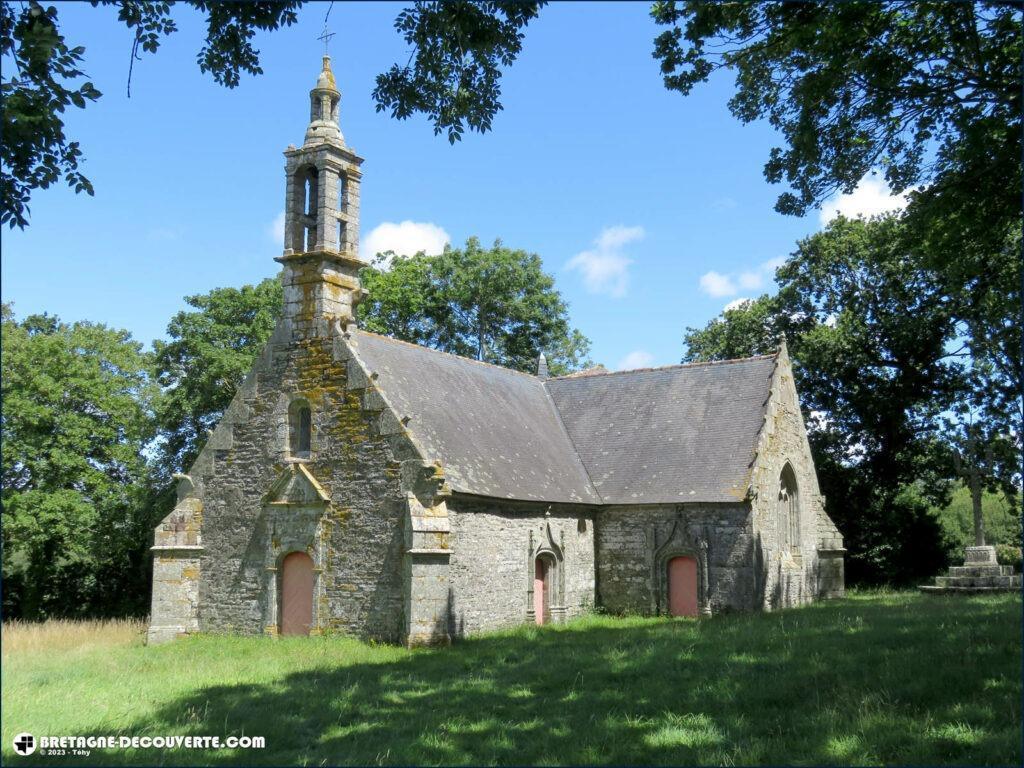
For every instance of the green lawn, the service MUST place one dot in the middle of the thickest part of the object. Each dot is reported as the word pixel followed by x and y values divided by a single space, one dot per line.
pixel 875 678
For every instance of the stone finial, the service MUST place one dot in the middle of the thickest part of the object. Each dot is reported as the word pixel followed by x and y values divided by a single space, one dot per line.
pixel 324 103
pixel 542 367
pixel 782 344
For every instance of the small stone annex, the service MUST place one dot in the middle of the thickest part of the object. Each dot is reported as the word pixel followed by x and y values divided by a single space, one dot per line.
pixel 366 485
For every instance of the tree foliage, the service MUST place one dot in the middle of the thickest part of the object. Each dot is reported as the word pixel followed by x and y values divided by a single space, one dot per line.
pixel 494 304
pixel 76 415
pixel 211 349
pixel 454 71
pixel 927 92
pixel 35 153
pixel 42 79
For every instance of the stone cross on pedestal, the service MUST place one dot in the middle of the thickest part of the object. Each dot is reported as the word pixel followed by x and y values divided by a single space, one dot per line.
pixel 973 470
pixel 981 571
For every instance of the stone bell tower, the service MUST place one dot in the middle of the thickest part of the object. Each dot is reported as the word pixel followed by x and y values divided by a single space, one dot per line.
pixel 321 236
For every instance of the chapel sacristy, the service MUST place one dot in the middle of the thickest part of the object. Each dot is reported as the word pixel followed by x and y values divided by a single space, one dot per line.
pixel 365 485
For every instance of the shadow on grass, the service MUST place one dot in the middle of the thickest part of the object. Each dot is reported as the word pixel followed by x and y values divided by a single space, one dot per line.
pixel 892 679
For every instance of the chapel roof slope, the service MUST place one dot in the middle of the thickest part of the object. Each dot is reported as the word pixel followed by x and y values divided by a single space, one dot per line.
pixel 684 433
pixel 662 435
pixel 494 430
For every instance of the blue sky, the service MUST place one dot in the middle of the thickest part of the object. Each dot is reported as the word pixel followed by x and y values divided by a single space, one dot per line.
pixel 649 208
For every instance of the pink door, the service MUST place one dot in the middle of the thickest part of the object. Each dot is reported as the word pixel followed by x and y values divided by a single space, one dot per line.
pixel 682 586
pixel 540 590
pixel 296 594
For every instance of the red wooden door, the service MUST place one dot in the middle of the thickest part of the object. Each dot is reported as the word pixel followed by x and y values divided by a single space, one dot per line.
pixel 682 586
pixel 540 590
pixel 296 594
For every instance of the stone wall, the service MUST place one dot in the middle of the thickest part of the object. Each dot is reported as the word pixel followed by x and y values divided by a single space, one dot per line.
pixel 633 542
pixel 815 567
pixel 494 544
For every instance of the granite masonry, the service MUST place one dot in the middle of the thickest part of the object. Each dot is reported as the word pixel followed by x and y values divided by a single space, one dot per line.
pixel 364 485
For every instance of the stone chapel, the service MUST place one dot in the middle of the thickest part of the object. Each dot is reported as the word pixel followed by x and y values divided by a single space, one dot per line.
pixel 365 485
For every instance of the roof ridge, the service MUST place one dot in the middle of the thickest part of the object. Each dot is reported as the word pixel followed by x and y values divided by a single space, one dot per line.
pixel 670 367
pixel 447 354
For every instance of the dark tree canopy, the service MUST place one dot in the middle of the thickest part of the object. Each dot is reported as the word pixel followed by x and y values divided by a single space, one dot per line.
pixel 77 413
pixel 926 92
pixel 458 49
pixel 43 77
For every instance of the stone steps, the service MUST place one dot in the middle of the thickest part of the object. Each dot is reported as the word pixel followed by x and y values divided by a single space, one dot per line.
pixel 1005 582
pixel 936 590
pixel 981 570
pixel 979 574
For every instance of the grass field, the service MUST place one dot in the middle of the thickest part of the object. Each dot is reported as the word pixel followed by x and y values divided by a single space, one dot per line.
pixel 875 678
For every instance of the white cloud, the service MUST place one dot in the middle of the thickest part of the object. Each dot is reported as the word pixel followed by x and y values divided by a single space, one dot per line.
pixel 716 284
pixel 605 268
pixel 275 229
pixel 750 281
pixel 406 238
pixel 638 358
pixel 721 285
pixel 870 198
pixel 735 304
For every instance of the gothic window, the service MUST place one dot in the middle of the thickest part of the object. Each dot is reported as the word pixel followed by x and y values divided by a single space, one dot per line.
pixel 789 510
pixel 300 429
pixel 341 192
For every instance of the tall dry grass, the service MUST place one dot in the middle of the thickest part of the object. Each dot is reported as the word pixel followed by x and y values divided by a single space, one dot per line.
pixel 21 637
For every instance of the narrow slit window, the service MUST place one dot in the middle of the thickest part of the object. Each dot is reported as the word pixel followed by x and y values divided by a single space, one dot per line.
pixel 300 429
pixel 305 431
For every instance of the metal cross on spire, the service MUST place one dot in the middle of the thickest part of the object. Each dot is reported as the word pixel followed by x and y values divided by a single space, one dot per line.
pixel 326 37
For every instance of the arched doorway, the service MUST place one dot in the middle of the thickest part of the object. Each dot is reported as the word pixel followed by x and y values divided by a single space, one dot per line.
pixel 541 589
pixel 682 586
pixel 296 594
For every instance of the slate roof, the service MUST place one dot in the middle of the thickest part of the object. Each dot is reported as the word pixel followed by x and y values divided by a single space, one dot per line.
pixel 675 434
pixel 494 430
pixel 683 433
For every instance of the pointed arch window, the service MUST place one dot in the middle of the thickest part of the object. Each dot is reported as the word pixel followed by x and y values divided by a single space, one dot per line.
pixel 789 510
